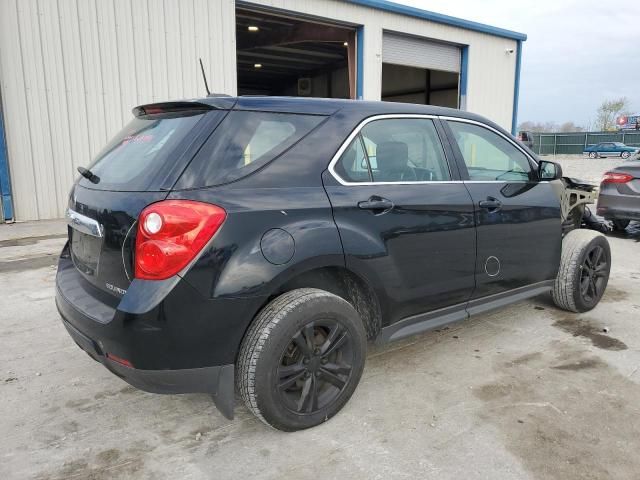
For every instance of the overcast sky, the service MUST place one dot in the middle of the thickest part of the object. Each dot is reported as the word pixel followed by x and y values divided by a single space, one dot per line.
pixel 577 53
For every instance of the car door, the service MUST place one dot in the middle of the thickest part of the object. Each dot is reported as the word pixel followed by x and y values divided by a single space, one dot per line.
pixel 606 149
pixel 518 221
pixel 404 216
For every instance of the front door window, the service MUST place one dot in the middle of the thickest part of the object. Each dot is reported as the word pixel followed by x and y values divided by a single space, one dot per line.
pixel 488 156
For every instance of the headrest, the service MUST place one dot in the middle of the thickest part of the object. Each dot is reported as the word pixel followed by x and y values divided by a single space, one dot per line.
pixel 392 156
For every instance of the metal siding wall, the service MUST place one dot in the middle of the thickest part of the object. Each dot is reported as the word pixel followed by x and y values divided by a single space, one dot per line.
pixel 71 70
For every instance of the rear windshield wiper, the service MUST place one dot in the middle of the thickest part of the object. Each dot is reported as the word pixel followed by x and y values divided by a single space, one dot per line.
pixel 86 173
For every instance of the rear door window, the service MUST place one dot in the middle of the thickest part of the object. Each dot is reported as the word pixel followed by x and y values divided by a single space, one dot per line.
pixel 244 142
pixel 353 165
pixel 405 150
pixel 143 152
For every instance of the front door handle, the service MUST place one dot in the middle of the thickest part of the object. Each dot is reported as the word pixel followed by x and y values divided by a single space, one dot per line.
pixel 376 203
pixel 491 204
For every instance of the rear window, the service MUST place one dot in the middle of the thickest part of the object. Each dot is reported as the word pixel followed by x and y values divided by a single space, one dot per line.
pixel 141 155
pixel 244 142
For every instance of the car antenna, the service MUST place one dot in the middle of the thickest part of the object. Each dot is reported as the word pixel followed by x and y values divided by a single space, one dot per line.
pixel 206 85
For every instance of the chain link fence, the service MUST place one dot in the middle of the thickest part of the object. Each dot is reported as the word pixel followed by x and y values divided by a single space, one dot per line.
pixel 575 143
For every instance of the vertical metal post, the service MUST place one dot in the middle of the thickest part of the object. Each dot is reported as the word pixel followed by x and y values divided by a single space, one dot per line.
pixel 462 78
pixel 623 138
pixel 555 143
pixel 540 144
pixel 360 62
pixel 351 65
pixel 6 200
pixel 516 89
pixel 427 89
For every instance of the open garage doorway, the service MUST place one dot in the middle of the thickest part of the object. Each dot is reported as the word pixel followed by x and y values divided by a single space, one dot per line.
pixel 420 70
pixel 419 85
pixel 283 55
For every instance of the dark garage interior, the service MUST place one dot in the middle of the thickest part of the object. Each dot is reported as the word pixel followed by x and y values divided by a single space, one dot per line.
pixel 401 83
pixel 281 55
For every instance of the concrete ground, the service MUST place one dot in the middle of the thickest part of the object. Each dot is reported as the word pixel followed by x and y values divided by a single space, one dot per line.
pixel 529 392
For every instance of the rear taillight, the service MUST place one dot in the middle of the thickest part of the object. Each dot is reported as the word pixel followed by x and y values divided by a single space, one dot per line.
pixel 170 235
pixel 614 177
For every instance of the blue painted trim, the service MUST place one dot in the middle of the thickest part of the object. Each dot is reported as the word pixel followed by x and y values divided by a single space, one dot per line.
pixel 5 179
pixel 360 63
pixel 464 69
pixel 438 18
pixel 516 89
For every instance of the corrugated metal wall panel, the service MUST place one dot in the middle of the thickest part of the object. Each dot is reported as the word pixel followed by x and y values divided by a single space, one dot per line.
pixel 419 53
pixel 56 107
pixel 71 70
pixel 38 113
pixel 14 103
pixel 75 94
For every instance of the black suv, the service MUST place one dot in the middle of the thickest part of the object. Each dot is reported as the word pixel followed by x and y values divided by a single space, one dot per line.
pixel 259 243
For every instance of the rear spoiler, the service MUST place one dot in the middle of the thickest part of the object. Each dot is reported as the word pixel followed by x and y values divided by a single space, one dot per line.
pixel 209 103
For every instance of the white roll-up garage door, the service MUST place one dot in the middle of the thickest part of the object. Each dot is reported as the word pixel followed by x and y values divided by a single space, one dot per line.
pixel 420 53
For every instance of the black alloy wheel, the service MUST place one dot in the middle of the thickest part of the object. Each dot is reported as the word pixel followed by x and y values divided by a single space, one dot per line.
pixel 301 359
pixel 593 275
pixel 583 272
pixel 315 367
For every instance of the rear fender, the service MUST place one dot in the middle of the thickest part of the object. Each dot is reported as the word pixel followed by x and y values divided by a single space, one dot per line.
pixel 269 234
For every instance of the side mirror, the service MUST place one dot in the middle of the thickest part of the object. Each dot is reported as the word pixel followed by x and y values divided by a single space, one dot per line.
pixel 549 170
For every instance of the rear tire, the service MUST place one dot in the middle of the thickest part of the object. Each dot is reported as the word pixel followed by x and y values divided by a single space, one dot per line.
pixel 584 271
pixel 593 155
pixel 620 225
pixel 301 359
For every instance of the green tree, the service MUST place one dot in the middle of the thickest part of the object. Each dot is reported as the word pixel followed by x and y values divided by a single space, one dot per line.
pixel 609 110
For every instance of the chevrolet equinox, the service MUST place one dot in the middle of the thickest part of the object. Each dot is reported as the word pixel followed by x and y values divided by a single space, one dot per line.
pixel 259 243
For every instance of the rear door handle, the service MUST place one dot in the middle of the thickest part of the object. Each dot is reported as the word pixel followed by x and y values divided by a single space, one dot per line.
pixel 491 204
pixel 376 203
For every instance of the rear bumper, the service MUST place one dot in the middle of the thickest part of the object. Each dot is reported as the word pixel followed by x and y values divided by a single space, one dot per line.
pixel 616 206
pixel 185 344
pixel 615 214
pixel 188 380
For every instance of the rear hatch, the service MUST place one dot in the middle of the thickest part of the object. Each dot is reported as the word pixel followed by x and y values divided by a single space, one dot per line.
pixel 138 167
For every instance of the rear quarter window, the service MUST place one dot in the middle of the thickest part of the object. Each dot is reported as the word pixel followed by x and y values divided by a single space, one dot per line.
pixel 244 142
